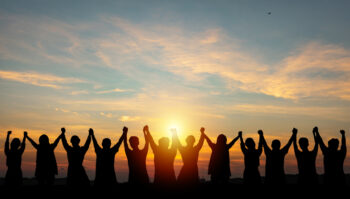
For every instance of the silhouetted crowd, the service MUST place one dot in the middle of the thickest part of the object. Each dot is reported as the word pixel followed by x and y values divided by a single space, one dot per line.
pixel 219 164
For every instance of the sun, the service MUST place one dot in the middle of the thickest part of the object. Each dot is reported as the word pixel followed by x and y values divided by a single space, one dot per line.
pixel 174 125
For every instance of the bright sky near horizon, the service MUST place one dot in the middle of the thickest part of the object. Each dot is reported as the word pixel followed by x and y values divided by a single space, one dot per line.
pixel 227 66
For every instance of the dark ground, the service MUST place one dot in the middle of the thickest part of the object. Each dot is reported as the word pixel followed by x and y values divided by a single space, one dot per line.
pixel 205 189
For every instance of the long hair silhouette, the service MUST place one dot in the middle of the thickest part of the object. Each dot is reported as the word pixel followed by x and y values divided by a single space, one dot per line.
pixel 306 160
pixel 333 159
pixel 189 172
pixel 76 175
pixel 46 165
pixel 14 154
pixel 251 173
pixel 105 173
pixel 219 163
pixel 137 159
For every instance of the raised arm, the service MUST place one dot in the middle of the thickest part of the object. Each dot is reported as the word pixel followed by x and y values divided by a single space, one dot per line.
pixel 343 142
pixel 145 148
pixel 87 144
pixel 285 149
pixel 23 144
pixel 244 150
pixel 315 131
pixel 64 140
pixel 201 140
pixel 260 142
pixel 94 141
pixel 125 141
pixel 295 146
pixel 210 143
pixel 35 145
pixel 55 143
pixel 174 142
pixel 319 140
pixel 115 148
pixel 150 139
pixel 7 142
pixel 263 142
pixel 232 142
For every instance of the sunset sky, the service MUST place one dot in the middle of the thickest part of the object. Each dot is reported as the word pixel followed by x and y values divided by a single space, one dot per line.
pixel 226 66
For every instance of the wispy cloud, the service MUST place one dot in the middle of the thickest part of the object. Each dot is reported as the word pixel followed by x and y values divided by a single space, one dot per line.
pixel 126 118
pixel 38 79
pixel 116 90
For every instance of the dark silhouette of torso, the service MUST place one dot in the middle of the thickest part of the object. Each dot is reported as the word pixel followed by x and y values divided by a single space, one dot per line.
pixel 274 172
pixel 219 164
pixel 105 173
pixel 251 173
pixel 333 166
pixel 76 173
pixel 189 172
pixel 137 166
pixel 164 166
pixel 306 166
pixel 13 163
pixel 46 165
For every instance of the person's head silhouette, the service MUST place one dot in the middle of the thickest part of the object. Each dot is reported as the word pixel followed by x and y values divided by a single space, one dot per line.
pixel 106 143
pixel 163 143
pixel 249 142
pixel 221 140
pixel 134 142
pixel 44 140
pixel 276 145
pixel 15 144
pixel 75 140
pixel 304 144
pixel 333 144
pixel 190 140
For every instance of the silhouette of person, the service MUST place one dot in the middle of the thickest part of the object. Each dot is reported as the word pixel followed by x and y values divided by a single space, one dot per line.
pixel 76 175
pixel 333 159
pixel 137 159
pixel 105 174
pixel 46 165
pixel 13 175
pixel 189 172
pixel 251 173
pixel 306 159
pixel 219 163
pixel 274 168
pixel 164 157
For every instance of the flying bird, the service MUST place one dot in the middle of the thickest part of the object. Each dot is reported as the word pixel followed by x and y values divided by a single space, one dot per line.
pixel 269 13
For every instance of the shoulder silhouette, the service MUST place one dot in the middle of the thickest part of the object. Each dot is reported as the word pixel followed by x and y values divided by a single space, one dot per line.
pixel 333 159
pixel 46 165
pixel 137 158
pixel 105 173
pixel 219 163
pixel 13 154
pixel 251 173
pixel 76 175
pixel 164 157
pixel 306 160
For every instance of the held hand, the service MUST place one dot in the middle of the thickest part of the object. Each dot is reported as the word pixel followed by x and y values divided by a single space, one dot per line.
pixel 202 130
pixel 260 132
pixel 240 134
pixel 295 131
pixel 9 132
pixel 315 130
pixel 145 128
pixel 25 134
pixel 125 129
pixel 91 131
pixel 63 130
pixel 342 132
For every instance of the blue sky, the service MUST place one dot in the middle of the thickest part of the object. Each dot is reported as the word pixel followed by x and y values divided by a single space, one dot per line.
pixel 227 65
